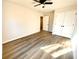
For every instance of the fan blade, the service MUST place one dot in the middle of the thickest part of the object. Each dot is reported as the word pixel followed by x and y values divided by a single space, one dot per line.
pixel 36 1
pixel 36 5
pixel 48 3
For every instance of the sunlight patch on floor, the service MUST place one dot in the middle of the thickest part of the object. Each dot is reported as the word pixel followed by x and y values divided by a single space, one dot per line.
pixel 51 48
pixel 61 52
pixel 56 50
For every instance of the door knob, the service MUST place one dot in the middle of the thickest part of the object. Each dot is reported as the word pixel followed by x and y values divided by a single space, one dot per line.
pixel 62 26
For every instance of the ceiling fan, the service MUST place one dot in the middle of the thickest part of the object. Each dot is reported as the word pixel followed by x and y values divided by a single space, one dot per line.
pixel 42 2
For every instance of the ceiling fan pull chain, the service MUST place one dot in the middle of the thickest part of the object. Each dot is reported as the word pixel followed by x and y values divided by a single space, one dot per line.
pixel 43 6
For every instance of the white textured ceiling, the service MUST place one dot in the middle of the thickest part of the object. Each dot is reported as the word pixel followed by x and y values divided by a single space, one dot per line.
pixel 56 4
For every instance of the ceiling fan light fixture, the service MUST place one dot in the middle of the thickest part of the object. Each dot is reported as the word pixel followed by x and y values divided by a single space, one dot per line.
pixel 43 6
pixel 42 2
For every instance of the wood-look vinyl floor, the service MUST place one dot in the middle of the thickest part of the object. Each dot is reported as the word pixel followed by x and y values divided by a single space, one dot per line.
pixel 24 48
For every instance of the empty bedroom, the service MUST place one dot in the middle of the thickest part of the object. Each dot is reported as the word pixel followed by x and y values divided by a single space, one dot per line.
pixel 38 29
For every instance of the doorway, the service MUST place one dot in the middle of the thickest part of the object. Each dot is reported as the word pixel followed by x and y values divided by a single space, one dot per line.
pixel 44 20
pixel 46 23
pixel 41 23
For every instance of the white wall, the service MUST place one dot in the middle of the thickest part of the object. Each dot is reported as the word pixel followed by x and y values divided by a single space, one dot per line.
pixel 18 21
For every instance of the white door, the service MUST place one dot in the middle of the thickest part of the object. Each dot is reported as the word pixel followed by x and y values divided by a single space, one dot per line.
pixel 57 30
pixel 45 23
pixel 64 23
pixel 68 25
pixel 58 21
